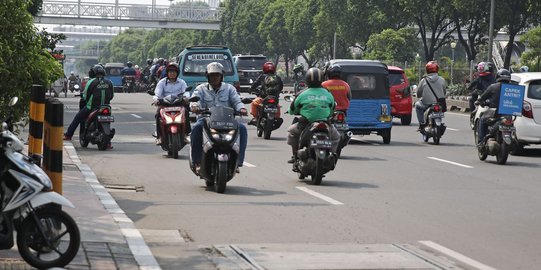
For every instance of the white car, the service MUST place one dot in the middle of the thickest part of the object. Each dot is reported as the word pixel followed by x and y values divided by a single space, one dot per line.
pixel 529 125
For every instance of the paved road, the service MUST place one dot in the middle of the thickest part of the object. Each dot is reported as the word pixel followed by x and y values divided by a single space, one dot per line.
pixel 431 197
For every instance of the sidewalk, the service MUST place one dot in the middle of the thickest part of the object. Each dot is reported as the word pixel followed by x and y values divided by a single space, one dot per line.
pixel 109 239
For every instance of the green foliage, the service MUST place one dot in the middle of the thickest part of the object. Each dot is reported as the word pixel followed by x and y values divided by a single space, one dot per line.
pixel 24 59
pixel 532 57
pixel 393 45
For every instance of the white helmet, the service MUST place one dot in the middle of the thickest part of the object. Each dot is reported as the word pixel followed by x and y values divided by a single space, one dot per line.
pixel 215 67
pixel 524 69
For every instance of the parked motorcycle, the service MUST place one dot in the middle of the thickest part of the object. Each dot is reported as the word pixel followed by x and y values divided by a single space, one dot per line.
pixel 47 237
pixel 339 122
pixel 97 128
pixel 499 139
pixel 129 84
pixel 221 147
pixel 173 123
pixel 435 128
pixel 266 117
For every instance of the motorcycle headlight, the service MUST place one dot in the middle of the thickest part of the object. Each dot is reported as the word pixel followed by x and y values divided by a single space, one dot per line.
pixel 229 136
pixel 218 136
pixel 215 134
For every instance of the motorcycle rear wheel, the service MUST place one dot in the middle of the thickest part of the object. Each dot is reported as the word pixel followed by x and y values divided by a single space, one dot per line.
pixel 259 128
pixel 317 176
pixel 63 238
pixel 268 129
pixel 220 177
pixel 503 154
pixel 82 140
pixel 437 135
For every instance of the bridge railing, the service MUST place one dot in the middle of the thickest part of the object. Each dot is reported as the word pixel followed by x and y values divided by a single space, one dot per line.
pixel 128 12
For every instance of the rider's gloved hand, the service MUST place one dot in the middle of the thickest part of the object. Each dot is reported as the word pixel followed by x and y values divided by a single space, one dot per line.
pixel 155 103
pixel 243 111
pixel 477 102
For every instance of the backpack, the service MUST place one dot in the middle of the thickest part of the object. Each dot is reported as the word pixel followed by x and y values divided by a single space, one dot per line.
pixel 271 85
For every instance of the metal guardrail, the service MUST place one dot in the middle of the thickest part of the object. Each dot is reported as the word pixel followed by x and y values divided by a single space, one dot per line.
pixel 75 9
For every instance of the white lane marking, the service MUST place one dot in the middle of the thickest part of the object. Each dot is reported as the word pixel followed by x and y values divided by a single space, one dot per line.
pixel 248 164
pixel 460 114
pixel 451 162
pixel 453 129
pixel 136 116
pixel 321 196
pixel 457 256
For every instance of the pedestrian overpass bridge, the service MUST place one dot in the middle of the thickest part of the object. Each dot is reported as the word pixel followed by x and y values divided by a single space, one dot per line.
pixel 76 12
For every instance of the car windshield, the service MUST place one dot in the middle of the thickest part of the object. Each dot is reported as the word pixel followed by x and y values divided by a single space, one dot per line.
pixel 196 63
pixel 534 90
pixel 254 63
pixel 396 78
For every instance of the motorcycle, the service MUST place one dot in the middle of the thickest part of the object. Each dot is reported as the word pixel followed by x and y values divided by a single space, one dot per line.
pixel 476 114
pixel 266 120
pixel 97 128
pixel 339 122
pixel 74 86
pixel 435 128
pixel 499 140
pixel 47 237
pixel 220 147
pixel 173 123
pixel 314 157
pixel 129 84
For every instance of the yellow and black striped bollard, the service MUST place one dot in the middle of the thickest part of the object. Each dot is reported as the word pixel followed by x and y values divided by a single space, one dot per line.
pixel 37 114
pixel 53 142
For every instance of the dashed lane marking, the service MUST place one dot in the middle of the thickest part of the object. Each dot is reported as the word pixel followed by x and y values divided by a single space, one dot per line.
pixel 136 116
pixel 455 255
pixel 451 162
pixel 320 196
pixel 453 129
pixel 249 165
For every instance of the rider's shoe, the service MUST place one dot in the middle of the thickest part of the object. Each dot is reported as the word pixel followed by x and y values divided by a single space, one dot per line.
pixel 252 122
pixel 421 127
pixel 158 141
pixel 292 160
pixel 67 138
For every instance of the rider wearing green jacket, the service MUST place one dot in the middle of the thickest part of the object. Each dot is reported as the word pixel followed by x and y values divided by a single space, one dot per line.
pixel 313 104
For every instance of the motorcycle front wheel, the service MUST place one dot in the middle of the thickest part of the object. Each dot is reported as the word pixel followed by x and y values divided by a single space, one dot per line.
pixel 175 145
pixel 221 177
pixel 52 242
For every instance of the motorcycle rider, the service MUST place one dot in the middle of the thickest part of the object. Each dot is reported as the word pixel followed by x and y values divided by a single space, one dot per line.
pixel 479 85
pixel 154 69
pixel 339 88
pixel 127 71
pixel 146 72
pixel 424 93
pixel 211 94
pixel 72 81
pixel 313 104
pixel 271 84
pixel 170 85
pixel 492 93
pixel 99 91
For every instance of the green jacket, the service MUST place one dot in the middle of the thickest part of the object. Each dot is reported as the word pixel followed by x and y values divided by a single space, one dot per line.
pixel 314 104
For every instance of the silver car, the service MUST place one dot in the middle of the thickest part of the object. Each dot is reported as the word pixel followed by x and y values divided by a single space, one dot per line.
pixel 529 125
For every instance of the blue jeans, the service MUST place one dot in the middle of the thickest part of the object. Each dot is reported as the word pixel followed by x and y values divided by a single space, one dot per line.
pixel 79 118
pixel 420 109
pixel 482 129
pixel 196 145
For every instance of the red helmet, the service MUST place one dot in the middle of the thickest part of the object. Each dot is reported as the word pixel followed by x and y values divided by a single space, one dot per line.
pixel 269 67
pixel 432 67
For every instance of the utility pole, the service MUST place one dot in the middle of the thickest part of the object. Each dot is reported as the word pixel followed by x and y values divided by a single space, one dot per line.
pixel 490 31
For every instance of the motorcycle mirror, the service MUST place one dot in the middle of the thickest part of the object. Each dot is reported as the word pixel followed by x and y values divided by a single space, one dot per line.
pixel 189 88
pixel 150 92
pixel 4 126
pixel 194 99
pixel 288 98
pixel 13 101
pixel 246 100
pixel 77 95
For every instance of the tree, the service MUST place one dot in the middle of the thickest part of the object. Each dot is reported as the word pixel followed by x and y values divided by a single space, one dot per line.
pixel 393 45
pixel 23 59
pixel 532 57
pixel 432 19
pixel 241 33
pixel 517 15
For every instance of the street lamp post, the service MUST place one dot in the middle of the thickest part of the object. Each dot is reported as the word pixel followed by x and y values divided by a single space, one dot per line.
pixel 453 46
pixel 418 58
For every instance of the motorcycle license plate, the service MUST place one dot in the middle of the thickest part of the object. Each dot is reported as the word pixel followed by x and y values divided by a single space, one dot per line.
pixel 506 128
pixel 106 118
pixel 341 126
pixel 322 143
pixel 437 115
pixel 172 109
pixel 270 109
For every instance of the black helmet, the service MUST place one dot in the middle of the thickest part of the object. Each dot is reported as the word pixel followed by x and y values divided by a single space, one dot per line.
pixel 149 61
pixel 314 77
pixel 491 67
pixel 503 75
pixel 129 64
pixel 91 73
pixel 334 71
pixel 98 70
